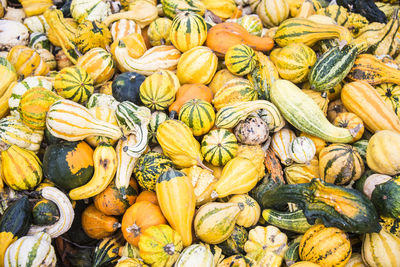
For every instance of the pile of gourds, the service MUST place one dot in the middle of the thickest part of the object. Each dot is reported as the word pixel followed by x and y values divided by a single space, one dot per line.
pixel 199 133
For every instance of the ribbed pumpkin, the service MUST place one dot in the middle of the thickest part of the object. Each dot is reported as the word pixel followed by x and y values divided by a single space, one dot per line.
pixel 390 92
pixel 188 30
pixel 199 115
pixel 157 92
pixel 326 246
pixel 92 34
pixel 219 146
pixel 187 92
pixel 318 142
pixel 74 83
pixel 349 121
pixel 251 212
pixel 235 243
pixel 149 167
pixel 177 200
pixel 340 163
pixel 98 63
pixel 219 79
pixel 34 105
pixel 159 31
pixel 240 59
pixel 45 212
pixel 124 27
pixel 197 65
pixel 134 43
pixel 252 23
pixel 21 168
pixel 273 12
pixel 294 62
pixel 27 61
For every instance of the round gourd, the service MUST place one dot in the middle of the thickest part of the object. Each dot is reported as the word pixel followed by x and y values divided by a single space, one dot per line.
pixel 251 212
pixel 199 115
pixel 302 149
pixel 187 92
pixel 82 10
pixel 188 30
pixel 96 224
pixel 349 121
pixel 124 27
pixel 235 243
pixel 27 61
pixel 234 91
pixel 134 44
pixel 98 63
pixel 390 92
pixel 326 246
pixel 106 114
pixel 125 87
pixel 219 146
pixel 197 65
pixel 252 23
pixel 195 255
pixel 334 109
pixel 149 167
pixel 148 196
pixel 159 31
pixel 280 144
pixel 299 173
pixel 219 79
pixel 318 142
pixel 48 57
pixel 74 83
pixel 240 59
pixel 256 155
pixel 68 164
pixel 92 34
pixel 224 9
pixel 252 131
pixel 157 118
pixel 273 12
pixel 45 212
pixel 158 90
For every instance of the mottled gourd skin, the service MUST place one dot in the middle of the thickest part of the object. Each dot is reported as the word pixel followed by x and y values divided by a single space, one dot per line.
pixel 252 131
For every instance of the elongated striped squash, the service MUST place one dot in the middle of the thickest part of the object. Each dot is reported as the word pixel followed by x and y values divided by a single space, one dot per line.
pixel 304 114
pixel 364 101
pixel 293 221
pixel 72 122
pixel 240 59
pixel 234 91
pixel 332 67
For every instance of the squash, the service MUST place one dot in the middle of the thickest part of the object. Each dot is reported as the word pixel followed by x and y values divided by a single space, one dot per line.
pixel 235 243
pixel 302 150
pixel 159 32
pixel 172 8
pixel 188 30
pixel 350 120
pixel 305 264
pixel 20 33
pixel 214 222
pixel 294 221
pixel 318 142
pixel 130 262
pixel 112 202
pixel 382 152
pixel 240 59
pixel 160 245
pixel 355 260
pixel 68 164
pixel 220 78
pixel 138 218
pixel 334 109
pixel 390 93
pixel 223 9
pixel 82 10
pixel 9 74
pixel 27 61
pixel 175 194
pixel 225 35
pixel 252 131
pixel 45 212
pixel 195 255
pixel 266 245
pixel 236 261
pixel 250 214
pixel 340 164
pixel 197 65
pixel 125 87
pixel 198 115
pixel 35 7
pixel 273 12
pixel 202 181
pixel 280 144
pixel 326 246
pixel 92 34
pixel 299 173
pixel 255 154
pixel 363 100
pixel 134 44
pixel 187 92
pixel 391 226
pixel 105 114
pixel 157 118
pixel 123 27
pixel 106 251
pixel 252 23
pixel 148 196
pixel 219 146
pixel 98 225
pixel 149 167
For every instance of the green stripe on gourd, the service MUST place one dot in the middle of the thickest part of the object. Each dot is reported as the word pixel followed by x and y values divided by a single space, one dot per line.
pixel 99 100
pixel 219 146
pixel 157 118
pixel 240 59
pixel 39 41
pixel 293 221
pixel 198 115
pixel 172 7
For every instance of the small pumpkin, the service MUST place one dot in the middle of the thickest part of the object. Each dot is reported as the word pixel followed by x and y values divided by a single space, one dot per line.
pixel 250 214
pixel 240 59
pixel 300 173
pixel 124 27
pixel 125 87
pixel 45 212
pixel 318 142
pixel 98 225
pixel 92 34
pixel 349 121
pixel 280 144
pixel 198 115
pixel 302 149
pixel 234 91
pixel 159 31
pixel 27 61
pixel 148 196
pixel 219 79
pixel 219 146
pixel 196 255
pixel 256 155
pixel 334 109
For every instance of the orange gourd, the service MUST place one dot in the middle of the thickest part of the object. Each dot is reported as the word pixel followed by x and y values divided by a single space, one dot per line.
pixel 138 218
pixel 97 225
pixel 148 196
pixel 188 92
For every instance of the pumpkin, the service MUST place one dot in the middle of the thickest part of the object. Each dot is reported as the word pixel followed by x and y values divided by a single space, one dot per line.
pixel 82 10
pixel 196 255
pixel 124 27
pixel 125 87
pixel 160 245
pixel 240 59
pixel 158 90
pixel 250 214
pixel 349 121
pixel 45 212
pixel 138 218
pixel 197 65
pixel 198 115
pixel 148 196
pixel 157 118
pixel 112 202
pixel 219 79
pixel 27 61
pixel 252 23
pixel 175 194
pixel 219 146
pixel 252 131
pixel 302 149
pixel 234 91
pixel 280 144
pixel 68 164
pixel 326 246
pixel 98 225
pixel 187 92
pixel 159 31
pixel 273 12
pixel 149 167
pixel 334 109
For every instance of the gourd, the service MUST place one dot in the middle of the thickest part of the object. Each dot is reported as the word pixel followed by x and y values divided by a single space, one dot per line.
pixel 280 144
pixel 266 245
pixel 272 13
pixel 125 163
pixel 252 131
pixel 36 7
pixel 98 225
pixel 235 243
pixel 123 27
pixel 240 59
pixel 233 91
pixel 125 87
pixel 106 251
pixel 9 39
pixel 92 34
pixel 45 212
pixel 355 260
pixel 105 114
pixel 296 107
pixel 198 115
pixel 65 209
pixel 202 181
pixel 27 61
pixel 255 154
pixel 390 93
pixel 76 115
pixel 195 255
pixel 250 214
pixel 188 30
pixel 39 40
pixel 157 118
pixel 252 23
pixel 187 92
pixel 134 44
pixel 299 173
pixel 214 221
pixel 138 218
pixel 159 32
pixel 9 74
pixel 177 200
pixel 172 8
pixel 349 120
pixel 302 150
pixel 219 146
pixel 89 10
pixel 223 9
pixel 222 36
pixel 326 246
pixel 294 221
pixel 148 196
pixel 236 260
pixel 318 142
pixel 362 99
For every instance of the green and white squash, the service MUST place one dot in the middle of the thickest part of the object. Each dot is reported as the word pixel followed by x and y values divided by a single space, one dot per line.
pixel 102 100
pixel 157 118
pixel 36 24
pixel 82 10
pixel 219 146
pixel 39 40
pixel 302 149
pixel 196 255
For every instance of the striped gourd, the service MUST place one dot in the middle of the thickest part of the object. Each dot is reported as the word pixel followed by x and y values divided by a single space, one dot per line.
pixel 73 122
pixel 36 24
pixel 172 7
pixel 273 12
pixel 157 118
pixel 280 144
pixel 105 114
pixel 39 41
pixel 27 61
pixel 20 88
pixel 196 254
pixel 381 249
pixel 293 221
pixel 240 59
pixel 74 83
pixel 390 92
pixel 82 10
pixel 8 75
pixel 163 57
pixel 199 115
pixel 252 23
pixel 134 119
pixel 98 63
pixel 340 164
pixel 229 116
pixel 332 67
pixel 302 150
pixel 320 98
pixel 234 91
pixel 350 120
pixel 34 105
pixel 21 168
pixel 294 62
pixel 13 131
pixel 219 146
pixel 188 30
pixel 124 27
pixel 125 163
pixel 157 92
pixel 159 30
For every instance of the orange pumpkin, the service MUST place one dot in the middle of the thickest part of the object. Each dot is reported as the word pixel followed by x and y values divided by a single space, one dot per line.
pixel 112 202
pixel 349 121
pixel 97 225
pixel 138 218
pixel 148 196
pixel 188 92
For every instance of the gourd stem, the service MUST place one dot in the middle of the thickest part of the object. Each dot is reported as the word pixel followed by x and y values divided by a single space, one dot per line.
pixel 135 229
pixel 169 249
pixel 200 163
